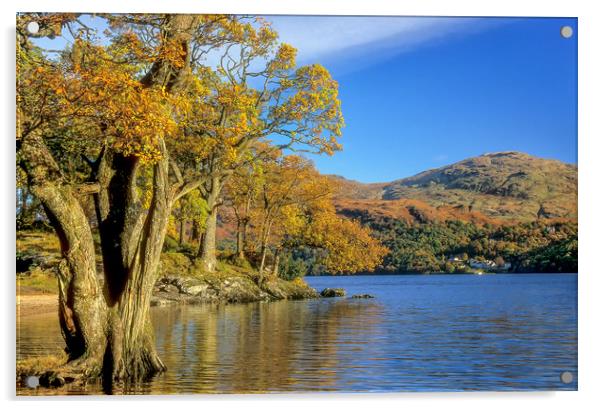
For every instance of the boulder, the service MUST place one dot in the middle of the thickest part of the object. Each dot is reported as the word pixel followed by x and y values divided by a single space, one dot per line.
pixel 333 292
pixel 168 288
pixel 192 286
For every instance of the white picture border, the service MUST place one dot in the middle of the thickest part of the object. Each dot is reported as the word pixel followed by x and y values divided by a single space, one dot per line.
pixel 590 203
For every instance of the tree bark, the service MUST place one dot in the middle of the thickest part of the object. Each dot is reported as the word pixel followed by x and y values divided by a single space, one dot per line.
pixel 265 234
pixel 242 226
pixel 109 332
pixel 276 262
pixel 191 232
pixel 208 253
pixel 201 241
pixel 82 311
pixel 240 251
pixel 132 239
pixel 181 239
pixel 245 223
pixel 195 234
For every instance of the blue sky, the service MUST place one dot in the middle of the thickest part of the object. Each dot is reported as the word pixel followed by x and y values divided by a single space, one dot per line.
pixel 421 93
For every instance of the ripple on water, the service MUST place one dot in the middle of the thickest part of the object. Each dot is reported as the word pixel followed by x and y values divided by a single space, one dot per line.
pixel 431 333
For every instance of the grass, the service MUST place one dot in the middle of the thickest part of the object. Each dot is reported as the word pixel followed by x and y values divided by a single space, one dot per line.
pixel 37 281
pixel 173 263
pixel 180 264
pixel 42 243
pixel 176 264
pixel 39 365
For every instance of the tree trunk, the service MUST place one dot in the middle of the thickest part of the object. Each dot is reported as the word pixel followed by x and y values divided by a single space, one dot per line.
pixel 262 263
pixel 132 239
pixel 240 251
pixel 110 333
pixel 181 240
pixel 195 234
pixel 201 241
pixel 276 262
pixel 245 223
pixel 264 247
pixel 208 253
pixel 82 311
pixel 191 232
pixel 245 229
pixel 106 334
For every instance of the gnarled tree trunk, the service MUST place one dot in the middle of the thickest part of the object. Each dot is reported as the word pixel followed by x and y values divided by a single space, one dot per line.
pixel 108 331
pixel 208 252
pixel 82 308
pixel 132 239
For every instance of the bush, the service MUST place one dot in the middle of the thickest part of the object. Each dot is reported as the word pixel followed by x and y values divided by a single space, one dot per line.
pixel 239 262
pixel 175 264
pixel 170 244
pixel 292 268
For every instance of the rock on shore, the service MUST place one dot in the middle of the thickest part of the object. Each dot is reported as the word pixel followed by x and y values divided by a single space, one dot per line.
pixel 362 296
pixel 333 292
pixel 235 289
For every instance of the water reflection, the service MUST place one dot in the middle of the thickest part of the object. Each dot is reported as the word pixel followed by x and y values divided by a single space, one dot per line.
pixel 259 347
pixel 420 333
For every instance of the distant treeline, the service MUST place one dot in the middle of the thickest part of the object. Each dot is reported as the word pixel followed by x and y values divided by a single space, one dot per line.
pixel 531 247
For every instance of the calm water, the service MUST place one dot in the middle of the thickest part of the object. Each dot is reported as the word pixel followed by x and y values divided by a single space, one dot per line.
pixel 420 333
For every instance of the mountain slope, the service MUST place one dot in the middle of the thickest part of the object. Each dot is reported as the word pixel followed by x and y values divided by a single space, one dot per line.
pixel 503 186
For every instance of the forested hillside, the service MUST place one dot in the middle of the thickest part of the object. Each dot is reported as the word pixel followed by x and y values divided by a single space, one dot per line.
pixel 508 206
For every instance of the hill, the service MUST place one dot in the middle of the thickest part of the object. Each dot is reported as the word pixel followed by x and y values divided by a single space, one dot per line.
pixel 503 187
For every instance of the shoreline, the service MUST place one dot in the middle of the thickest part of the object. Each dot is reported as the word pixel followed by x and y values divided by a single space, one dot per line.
pixel 380 274
pixel 36 304
pixel 29 303
pixel 174 290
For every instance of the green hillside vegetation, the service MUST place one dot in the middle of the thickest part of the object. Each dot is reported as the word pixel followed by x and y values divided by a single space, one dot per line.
pixel 425 248
pixel 497 208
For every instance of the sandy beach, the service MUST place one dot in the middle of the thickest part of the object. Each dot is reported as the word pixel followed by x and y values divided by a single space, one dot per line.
pixel 32 304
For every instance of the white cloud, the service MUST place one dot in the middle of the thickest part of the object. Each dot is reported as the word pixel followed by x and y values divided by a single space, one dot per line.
pixel 342 39
pixel 321 38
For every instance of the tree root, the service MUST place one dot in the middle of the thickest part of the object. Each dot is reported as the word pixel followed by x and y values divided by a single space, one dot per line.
pixel 57 371
pixel 79 370
pixel 87 369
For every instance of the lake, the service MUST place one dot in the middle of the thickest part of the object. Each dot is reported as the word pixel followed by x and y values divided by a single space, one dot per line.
pixel 420 333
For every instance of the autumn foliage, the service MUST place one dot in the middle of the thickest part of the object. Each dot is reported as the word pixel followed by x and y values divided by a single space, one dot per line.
pixel 160 118
pixel 283 203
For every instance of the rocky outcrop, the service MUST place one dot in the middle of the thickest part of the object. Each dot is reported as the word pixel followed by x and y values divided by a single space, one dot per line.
pixel 235 289
pixel 333 292
pixel 289 290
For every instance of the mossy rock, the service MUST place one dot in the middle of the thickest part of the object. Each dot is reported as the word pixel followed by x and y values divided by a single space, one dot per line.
pixel 175 264
pixel 333 292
